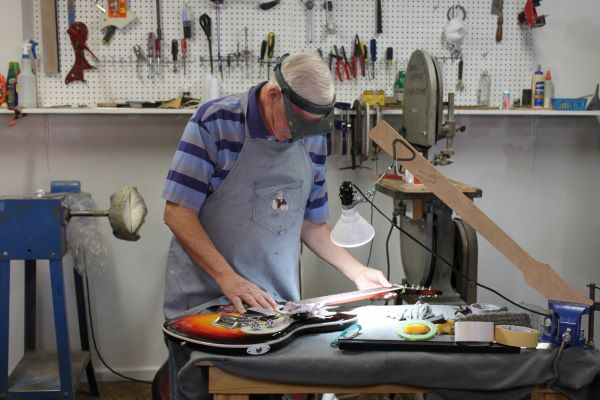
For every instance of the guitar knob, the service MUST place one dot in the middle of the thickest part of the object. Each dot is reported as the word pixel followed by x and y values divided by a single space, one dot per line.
pixel 269 323
pixel 255 326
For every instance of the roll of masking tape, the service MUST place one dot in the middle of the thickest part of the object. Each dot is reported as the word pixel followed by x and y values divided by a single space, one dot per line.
pixel 473 331
pixel 477 308
pixel 517 336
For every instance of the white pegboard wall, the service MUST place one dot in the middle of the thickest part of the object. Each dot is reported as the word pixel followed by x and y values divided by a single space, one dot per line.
pixel 407 25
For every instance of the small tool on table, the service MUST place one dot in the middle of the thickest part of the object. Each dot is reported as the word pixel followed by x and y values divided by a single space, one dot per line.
pixel 206 25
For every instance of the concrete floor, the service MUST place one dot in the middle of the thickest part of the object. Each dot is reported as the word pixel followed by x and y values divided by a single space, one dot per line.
pixel 116 391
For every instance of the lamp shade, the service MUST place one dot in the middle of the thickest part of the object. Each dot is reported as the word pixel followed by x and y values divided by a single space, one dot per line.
pixel 351 230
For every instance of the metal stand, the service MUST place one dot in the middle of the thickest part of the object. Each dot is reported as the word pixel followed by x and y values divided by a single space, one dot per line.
pixel 34 229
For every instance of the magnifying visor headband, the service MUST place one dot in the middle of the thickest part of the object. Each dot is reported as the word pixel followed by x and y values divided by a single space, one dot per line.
pixel 299 126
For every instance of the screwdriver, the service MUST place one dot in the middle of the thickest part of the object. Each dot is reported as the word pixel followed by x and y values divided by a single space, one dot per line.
pixel 263 50
pixel 270 47
pixel 373 45
pixel 174 52
pixel 183 52
pixel 389 60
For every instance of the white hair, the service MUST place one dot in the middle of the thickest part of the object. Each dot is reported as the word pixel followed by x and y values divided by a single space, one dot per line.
pixel 309 76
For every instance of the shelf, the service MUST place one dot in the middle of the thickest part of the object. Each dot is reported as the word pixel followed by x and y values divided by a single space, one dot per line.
pixel 390 111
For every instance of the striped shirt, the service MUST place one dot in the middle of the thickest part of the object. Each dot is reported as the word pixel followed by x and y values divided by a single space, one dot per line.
pixel 211 145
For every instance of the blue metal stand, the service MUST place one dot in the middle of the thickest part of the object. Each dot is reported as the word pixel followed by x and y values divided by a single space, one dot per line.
pixel 34 229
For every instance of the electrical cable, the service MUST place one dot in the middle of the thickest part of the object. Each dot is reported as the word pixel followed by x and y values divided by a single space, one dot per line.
pixel 87 290
pixel 435 254
pixel 387 247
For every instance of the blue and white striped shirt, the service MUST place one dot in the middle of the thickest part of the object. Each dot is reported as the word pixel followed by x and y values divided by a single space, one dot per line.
pixel 210 147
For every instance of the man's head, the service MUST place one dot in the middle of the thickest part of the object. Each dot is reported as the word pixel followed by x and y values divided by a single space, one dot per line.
pixel 298 100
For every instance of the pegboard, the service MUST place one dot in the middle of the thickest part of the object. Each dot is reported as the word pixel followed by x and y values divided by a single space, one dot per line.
pixel 407 25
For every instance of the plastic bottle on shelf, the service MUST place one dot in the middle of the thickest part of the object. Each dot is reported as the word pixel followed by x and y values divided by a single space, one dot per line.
pixel 548 90
pixel 26 81
pixel 537 88
pixel 399 88
pixel 2 89
pixel 484 89
pixel 12 98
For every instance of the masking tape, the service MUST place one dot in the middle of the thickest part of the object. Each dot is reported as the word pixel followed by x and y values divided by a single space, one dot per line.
pixel 401 330
pixel 473 331
pixel 477 308
pixel 517 336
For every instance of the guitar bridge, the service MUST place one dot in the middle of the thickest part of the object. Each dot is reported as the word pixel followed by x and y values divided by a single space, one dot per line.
pixel 227 321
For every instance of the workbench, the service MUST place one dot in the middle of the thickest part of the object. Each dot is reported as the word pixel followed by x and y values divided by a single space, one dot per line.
pixel 310 364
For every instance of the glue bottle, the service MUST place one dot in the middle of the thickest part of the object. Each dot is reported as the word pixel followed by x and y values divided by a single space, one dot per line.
pixel 26 81
pixel 537 88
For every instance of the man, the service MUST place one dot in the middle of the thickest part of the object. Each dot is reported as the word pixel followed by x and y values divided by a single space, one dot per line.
pixel 241 158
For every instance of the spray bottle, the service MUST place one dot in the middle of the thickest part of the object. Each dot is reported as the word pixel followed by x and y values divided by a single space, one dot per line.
pixel 26 81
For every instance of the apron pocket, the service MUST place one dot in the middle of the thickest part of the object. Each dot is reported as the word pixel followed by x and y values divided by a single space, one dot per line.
pixel 278 208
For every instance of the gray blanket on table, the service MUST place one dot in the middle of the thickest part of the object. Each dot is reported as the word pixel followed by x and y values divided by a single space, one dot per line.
pixel 311 360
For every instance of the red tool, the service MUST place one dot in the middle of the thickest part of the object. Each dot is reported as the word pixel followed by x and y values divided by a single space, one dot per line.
pixel 78 34
pixel 339 65
pixel 358 56
pixel 529 15
pixel 344 62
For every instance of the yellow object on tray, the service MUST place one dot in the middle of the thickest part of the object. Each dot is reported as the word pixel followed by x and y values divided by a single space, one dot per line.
pixel 372 97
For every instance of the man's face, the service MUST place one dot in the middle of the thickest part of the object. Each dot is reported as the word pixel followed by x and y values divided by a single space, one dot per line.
pixel 281 128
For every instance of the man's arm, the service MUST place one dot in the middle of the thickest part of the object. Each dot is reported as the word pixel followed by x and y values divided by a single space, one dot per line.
pixel 317 238
pixel 192 236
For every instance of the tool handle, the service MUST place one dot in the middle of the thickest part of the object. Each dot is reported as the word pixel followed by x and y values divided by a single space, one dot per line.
pixel 378 18
pixel 263 50
pixel 389 54
pixel 158 47
pixel 174 49
pixel 499 25
pixel 151 45
pixel 373 45
pixel 460 69
pixel 270 44
pixel 183 47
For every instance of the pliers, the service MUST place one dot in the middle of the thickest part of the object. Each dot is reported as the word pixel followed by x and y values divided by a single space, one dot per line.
pixel 140 60
pixel 343 61
pixel 358 56
pixel 339 62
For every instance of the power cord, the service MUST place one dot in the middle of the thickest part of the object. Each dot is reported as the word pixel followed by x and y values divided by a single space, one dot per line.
pixel 443 259
pixel 87 290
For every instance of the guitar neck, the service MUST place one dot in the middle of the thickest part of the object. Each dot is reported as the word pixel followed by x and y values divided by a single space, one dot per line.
pixel 348 297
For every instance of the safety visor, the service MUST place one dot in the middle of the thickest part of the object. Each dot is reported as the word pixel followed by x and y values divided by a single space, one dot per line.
pixel 300 125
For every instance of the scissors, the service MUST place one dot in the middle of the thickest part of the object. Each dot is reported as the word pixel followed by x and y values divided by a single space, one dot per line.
pixel 206 24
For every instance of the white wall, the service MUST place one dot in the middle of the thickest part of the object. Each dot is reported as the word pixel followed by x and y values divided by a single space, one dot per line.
pixel 541 187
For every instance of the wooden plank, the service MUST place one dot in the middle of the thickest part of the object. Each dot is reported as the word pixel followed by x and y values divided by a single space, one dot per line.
pixel 221 382
pixel 538 275
pixel 49 36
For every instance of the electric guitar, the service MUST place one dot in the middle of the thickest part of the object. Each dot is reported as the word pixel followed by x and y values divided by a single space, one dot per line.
pixel 258 330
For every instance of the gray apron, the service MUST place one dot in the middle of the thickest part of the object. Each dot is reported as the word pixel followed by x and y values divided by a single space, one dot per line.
pixel 254 218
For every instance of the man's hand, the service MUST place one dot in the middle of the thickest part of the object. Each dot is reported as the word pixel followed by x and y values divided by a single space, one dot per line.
pixel 240 290
pixel 369 278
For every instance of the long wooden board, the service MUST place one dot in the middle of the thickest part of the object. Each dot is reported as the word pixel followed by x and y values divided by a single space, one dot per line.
pixel 49 37
pixel 538 275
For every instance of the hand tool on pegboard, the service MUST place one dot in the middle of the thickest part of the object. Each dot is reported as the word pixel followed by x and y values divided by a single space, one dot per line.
pixel 158 45
pixel 309 6
pixel 373 45
pixel 460 85
pixel 340 64
pixel 261 59
pixel 150 48
pixel 184 51
pixel 329 22
pixel 218 4
pixel 174 53
pixel 71 15
pixel 530 16
pixel 389 61
pixel 378 17
pixel 116 16
pixel 498 9
pixel 358 58
pixel 365 54
pixel 49 25
pixel 270 49
pixel 206 25
pixel 78 33
pixel 267 5
pixel 246 52
pixel 140 61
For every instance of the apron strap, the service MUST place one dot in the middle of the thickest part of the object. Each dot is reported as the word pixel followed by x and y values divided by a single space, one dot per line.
pixel 244 104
